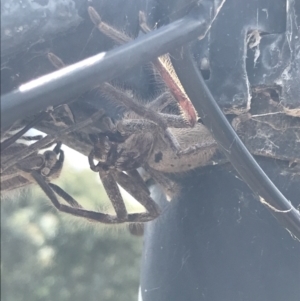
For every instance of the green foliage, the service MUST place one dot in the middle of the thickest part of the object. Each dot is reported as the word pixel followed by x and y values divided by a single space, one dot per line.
pixel 49 256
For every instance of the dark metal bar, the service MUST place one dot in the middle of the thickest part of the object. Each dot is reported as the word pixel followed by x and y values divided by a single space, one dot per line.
pixel 231 144
pixel 58 87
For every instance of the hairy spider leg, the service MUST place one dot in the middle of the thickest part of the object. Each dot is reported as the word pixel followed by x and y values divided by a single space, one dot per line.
pixel 23 153
pixel 111 188
pixel 133 184
pixel 137 191
pixel 76 210
pixel 162 64
pixel 116 94
pixel 6 143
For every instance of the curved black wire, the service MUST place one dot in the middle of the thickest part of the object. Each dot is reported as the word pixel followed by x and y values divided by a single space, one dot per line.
pixel 57 87
pixel 230 143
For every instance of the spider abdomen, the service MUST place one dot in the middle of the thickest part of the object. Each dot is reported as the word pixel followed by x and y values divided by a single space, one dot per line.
pixel 198 147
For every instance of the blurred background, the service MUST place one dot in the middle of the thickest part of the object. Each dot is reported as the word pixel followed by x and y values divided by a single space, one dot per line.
pixel 47 255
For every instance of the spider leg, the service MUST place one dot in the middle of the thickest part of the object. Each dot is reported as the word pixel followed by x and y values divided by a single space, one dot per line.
pixel 161 102
pixel 138 192
pixel 173 121
pixel 107 29
pixel 114 194
pixel 14 177
pixel 58 64
pixel 57 148
pixel 111 188
pixel 49 139
pixel 163 64
pixel 77 210
pixel 14 182
pixel 143 22
pixel 69 199
pixel 32 138
pixel 53 166
pixel 164 67
pixel 170 187
pixel 131 126
pixel 20 174
pixel 166 70
pixel 116 94
pixel 33 162
pixel 5 144
pixel 135 175
pixel 55 61
pixel 50 189
pixel 91 215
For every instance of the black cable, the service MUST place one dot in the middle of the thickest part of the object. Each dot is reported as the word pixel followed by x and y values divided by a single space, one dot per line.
pixel 231 145
pixel 60 86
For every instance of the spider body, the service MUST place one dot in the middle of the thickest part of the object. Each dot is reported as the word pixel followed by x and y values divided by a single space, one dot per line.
pixel 149 148
pixel 149 136
pixel 198 147
pixel 136 143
